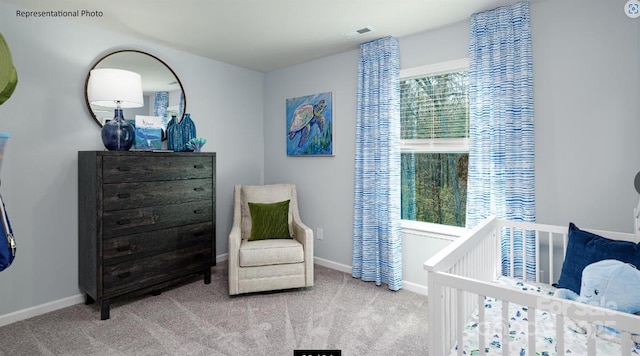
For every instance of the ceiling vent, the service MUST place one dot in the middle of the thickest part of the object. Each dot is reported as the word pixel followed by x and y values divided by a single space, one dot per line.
pixel 359 32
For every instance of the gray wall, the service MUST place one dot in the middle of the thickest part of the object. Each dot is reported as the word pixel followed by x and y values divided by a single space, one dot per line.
pixel 325 184
pixel 49 123
pixel 586 57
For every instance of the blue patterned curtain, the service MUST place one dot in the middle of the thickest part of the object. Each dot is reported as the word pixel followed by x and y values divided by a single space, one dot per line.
pixel 161 103
pixel 501 179
pixel 182 103
pixel 377 254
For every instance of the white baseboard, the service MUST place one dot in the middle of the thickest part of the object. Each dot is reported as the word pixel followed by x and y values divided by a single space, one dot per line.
pixel 40 309
pixel 57 304
pixel 333 265
pixel 410 286
pixel 416 288
pixel 223 257
pixel 79 298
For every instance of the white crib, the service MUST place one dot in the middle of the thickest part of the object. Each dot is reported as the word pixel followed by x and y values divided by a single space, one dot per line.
pixel 464 273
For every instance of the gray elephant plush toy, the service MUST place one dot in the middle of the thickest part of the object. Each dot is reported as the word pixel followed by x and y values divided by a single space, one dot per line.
pixel 608 284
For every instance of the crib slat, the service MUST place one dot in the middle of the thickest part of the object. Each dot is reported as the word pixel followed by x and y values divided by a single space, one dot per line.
pixel 505 328
pixel 551 273
pixel 625 343
pixel 560 334
pixel 591 342
pixel 460 322
pixel 451 310
pixel 481 325
pixel 524 255
pixel 531 315
pixel 511 249
pixel 537 244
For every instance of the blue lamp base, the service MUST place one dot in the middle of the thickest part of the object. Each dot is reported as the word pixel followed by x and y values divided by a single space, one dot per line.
pixel 118 134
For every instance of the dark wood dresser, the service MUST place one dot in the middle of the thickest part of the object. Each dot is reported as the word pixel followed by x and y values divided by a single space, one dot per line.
pixel 145 221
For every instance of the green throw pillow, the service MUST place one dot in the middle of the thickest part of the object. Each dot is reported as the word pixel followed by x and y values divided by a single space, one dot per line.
pixel 269 221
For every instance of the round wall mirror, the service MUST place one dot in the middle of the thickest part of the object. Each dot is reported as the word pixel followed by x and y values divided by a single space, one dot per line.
pixel 162 90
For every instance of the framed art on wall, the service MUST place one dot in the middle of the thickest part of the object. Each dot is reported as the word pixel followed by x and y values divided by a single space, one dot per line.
pixel 310 125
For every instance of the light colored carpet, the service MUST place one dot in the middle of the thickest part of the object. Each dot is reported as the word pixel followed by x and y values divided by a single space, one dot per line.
pixel 339 312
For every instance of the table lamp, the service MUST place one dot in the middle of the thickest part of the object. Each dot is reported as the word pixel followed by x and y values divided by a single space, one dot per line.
pixel 119 89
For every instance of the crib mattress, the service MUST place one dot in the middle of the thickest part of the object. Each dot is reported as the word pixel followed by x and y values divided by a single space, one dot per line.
pixel 575 344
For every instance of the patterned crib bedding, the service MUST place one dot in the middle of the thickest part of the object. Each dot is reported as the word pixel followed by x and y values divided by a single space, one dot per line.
pixel 575 344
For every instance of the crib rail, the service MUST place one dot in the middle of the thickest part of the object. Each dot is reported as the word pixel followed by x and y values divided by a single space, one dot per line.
pixel 461 275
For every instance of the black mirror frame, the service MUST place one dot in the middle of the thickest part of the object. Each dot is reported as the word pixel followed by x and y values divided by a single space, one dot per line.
pixel 86 82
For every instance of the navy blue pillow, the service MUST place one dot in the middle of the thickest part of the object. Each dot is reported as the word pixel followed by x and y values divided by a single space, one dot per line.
pixel 585 248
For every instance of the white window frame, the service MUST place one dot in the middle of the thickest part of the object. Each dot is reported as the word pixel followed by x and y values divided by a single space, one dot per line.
pixel 460 145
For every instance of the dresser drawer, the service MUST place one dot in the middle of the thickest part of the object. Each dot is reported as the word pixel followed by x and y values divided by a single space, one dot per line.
pixel 133 221
pixel 124 248
pixel 144 272
pixel 121 169
pixel 140 194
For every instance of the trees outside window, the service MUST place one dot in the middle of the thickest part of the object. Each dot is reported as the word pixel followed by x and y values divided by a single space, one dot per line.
pixel 435 147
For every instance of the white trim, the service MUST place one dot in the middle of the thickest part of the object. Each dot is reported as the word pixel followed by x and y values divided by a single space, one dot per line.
pixel 40 309
pixel 435 145
pixel 437 68
pixel 58 304
pixel 410 286
pixel 333 265
pixel 223 257
pixel 438 231
pixel 415 288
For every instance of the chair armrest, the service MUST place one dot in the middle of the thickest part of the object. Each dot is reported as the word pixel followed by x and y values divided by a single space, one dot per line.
pixel 304 235
pixel 235 239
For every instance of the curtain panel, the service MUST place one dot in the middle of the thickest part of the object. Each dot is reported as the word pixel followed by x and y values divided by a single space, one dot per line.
pixel 377 235
pixel 501 177
pixel 160 105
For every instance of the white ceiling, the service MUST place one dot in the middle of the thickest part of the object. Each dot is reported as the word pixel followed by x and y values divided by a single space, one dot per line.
pixel 265 35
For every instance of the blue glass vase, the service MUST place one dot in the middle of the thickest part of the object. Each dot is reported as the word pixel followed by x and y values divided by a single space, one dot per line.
pixel 171 133
pixel 118 134
pixel 179 133
pixel 188 130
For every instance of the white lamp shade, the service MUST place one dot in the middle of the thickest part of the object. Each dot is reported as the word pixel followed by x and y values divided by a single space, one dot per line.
pixel 107 86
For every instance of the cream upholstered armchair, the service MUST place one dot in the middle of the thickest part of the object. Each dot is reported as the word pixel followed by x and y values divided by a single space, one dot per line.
pixel 258 259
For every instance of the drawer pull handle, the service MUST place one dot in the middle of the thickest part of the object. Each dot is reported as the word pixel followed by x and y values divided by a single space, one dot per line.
pixel 198 166
pixel 124 275
pixel 198 234
pixel 124 169
pixel 198 211
pixel 124 195
pixel 124 248
pixel 124 222
pixel 198 189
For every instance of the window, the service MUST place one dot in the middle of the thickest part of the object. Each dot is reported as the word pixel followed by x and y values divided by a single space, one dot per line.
pixel 434 112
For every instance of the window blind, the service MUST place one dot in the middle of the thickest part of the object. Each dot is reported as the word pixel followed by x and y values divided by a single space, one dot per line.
pixel 435 107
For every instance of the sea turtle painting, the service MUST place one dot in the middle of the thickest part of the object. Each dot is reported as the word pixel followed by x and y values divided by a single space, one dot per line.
pixel 305 116
pixel 310 125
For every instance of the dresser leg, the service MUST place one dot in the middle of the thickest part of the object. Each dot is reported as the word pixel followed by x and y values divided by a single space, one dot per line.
pixel 104 309
pixel 207 276
pixel 88 300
